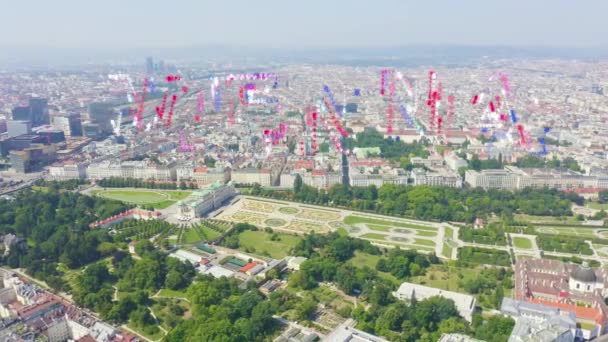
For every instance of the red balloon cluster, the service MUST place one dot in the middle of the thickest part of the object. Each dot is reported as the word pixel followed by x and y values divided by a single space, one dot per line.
pixel 173 78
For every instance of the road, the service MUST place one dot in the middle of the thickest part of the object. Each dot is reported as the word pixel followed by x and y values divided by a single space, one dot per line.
pixel 20 186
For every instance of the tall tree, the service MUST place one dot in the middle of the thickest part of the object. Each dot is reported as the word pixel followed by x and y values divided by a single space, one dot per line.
pixel 297 184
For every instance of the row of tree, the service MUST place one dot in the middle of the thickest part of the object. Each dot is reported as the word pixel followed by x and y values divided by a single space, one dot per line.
pixel 119 182
pixel 484 256
pixel 493 234
pixel 433 202
pixel 132 229
pixel 389 148
pixel 564 244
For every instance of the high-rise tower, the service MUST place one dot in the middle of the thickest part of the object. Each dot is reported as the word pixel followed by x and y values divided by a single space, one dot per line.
pixel 149 65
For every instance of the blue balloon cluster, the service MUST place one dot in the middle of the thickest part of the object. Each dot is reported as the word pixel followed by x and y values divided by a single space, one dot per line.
pixel 331 97
pixel 217 101
pixel 406 117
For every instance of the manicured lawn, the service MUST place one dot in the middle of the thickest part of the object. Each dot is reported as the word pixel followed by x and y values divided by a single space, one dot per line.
pixel 265 200
pixel 546 219
pixel 275 222
pixel 163 204
pixel 177 194
pixel 289 210
pixel 417 248
pixel 426 233
pixel 572 231
pixel 261 242
pixel 446 278
pixel 380 228
pixel 320 208
pixel 446 250
pixel 190 236
pixel 133 196
pixel 172 293
pixel 40 188
pixel 383 228
pixel 448 237
pixel 449 233
pixel 522 242
pixel 160 199
pixel 424 242
pixel 593 205
pixel 523 257
pixel 208 233
pixel 373 236
pixel 351 219
pixel 198 234
pixel 379 238
pixel 362 259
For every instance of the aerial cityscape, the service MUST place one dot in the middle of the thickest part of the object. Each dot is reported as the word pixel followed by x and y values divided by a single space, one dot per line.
pixel 365 182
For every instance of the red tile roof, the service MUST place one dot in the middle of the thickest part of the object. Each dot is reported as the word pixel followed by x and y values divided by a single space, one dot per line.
pixel 248 267
pixel 580 311
pixel 304 164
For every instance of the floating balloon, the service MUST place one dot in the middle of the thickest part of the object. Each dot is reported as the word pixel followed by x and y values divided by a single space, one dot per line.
pixel 541 140
pixel 253 76
pixel 231 111
pixel 520 128
pixel 389 108
pixel 335 120
pixel 217 101
pixel 161 111
pixel 406 117
pixel 201 102
pixel 383 74
pixel 173 100
pixel 475 100
pixel 331 96
pixel 513 117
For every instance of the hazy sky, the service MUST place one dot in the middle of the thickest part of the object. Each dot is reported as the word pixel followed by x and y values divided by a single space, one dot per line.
pixel 307 23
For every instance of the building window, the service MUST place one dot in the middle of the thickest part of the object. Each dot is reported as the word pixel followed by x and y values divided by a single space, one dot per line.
pixel 578 286
pixel 588 287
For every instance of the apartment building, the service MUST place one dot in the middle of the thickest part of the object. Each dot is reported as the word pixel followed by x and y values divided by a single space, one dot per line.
pixel 68 171
pixel 512 177
pixel 430 162
pixel 205 176
pixel 132 169
pixel 252 176
pixel 442 177
pixel 491 179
